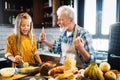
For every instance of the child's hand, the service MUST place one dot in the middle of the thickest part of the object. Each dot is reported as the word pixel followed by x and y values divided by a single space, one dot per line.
pixel 18 59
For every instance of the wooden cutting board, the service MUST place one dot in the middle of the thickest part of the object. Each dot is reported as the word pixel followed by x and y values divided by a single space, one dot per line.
pixel 14 77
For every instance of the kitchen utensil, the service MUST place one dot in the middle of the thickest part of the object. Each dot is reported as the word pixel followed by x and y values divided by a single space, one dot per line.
pixel 22 61
pixel 7 72
pixel 32 69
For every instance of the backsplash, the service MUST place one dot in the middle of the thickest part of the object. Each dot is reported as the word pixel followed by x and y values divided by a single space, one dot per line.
pixel 5 30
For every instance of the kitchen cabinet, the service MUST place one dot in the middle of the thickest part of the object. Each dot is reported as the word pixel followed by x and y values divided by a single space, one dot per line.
pixel 11 8
pixel 47 13
pixel 43 12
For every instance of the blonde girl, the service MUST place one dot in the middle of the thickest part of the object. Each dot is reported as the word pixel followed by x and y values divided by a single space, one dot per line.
pixel 21 44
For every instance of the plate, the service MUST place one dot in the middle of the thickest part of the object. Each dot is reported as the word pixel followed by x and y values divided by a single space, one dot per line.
pixel 7 72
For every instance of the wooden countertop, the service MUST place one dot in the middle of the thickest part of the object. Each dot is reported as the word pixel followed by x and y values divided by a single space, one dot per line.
pixel 20 76
pixel 14 77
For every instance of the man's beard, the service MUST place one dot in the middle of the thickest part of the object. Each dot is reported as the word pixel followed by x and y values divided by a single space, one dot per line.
pixel 62 29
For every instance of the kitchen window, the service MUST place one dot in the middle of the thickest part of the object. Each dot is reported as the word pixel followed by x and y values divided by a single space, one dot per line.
pixel 99 15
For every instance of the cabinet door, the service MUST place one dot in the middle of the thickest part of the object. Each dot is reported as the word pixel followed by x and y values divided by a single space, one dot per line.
pixel 45 12
pixel 11 8
pixel 47 18
pixel 56 4
pixel 37 12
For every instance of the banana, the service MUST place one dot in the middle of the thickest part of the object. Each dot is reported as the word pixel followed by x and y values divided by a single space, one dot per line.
pixel 88 70
pixel 99 74
pixel 95 73
pixel 91 73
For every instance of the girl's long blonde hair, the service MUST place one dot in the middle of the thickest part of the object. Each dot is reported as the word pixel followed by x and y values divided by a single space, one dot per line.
pixel 17 27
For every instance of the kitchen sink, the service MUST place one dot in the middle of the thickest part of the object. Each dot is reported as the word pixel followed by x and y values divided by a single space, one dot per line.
pixel 2 53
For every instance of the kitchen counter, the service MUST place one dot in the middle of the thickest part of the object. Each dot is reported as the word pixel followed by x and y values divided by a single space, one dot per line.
pixel 3 59
pixel 45 56
pixel 47 53
pixel 48 56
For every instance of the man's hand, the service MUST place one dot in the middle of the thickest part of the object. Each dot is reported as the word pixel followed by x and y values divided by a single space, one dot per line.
pixel 42 37
pixel 78 42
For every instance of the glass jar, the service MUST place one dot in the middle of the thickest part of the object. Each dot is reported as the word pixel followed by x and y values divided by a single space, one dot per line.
pixel 70 61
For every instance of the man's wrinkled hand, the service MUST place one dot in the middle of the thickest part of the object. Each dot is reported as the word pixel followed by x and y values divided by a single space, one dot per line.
pixel 42 37
pixel 78 42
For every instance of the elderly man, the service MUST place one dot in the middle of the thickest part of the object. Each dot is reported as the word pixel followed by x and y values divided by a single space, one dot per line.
pixel 73 39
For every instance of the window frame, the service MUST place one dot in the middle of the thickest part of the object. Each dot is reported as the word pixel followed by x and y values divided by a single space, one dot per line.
pixel 98 32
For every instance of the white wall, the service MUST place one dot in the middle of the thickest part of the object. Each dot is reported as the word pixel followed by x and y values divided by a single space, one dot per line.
pixel 5 30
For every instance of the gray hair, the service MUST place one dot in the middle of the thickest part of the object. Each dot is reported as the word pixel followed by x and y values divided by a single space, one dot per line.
pixel 68 10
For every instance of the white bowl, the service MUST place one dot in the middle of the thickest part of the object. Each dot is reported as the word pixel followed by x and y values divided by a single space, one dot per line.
pixel 7 72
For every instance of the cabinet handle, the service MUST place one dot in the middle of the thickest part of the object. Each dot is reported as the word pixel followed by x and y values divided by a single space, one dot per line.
pixel 114 56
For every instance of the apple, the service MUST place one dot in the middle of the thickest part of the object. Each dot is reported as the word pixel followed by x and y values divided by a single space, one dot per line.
pixel 104 66
pixel 109 75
